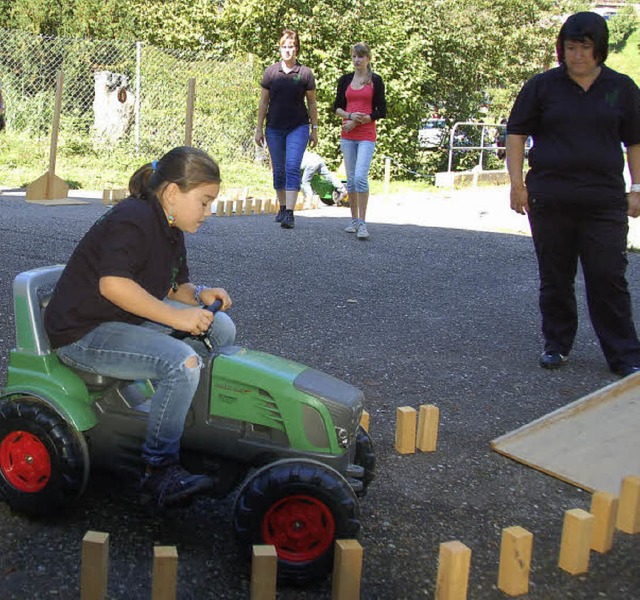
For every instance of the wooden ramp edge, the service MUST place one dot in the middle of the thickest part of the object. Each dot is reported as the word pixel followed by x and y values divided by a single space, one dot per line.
pixel 576 444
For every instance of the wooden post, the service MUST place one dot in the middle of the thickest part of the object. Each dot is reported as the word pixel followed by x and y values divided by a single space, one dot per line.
pixel 191 98
pixel 248 206
pixel 48 186
pixel 347 570
pixel 239 206
pixel 453 571
pixel 364 420
pixel 165 573
pixel 604 508
pixel 515 561
pixel 106 196
pixel 95 565
pixel 258 206
pixel 387 176
pixel 406 418
pixel 577 532
pixel 264 569
pixel 228 208
pixel 219 208
pixel 428 419
pixel 628 519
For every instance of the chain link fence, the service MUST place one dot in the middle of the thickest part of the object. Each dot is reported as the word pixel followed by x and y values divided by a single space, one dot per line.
pixel 125 100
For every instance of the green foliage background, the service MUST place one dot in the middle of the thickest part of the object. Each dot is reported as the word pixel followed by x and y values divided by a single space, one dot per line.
pixel 462 58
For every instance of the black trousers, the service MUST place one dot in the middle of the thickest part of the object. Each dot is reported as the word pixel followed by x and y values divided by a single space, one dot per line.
pixel 598 238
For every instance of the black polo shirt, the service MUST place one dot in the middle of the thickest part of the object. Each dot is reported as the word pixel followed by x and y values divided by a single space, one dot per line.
pixel 287 92
pixel 133 240
pixel 577 154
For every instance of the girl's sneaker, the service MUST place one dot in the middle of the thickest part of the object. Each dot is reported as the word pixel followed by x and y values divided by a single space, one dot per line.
pixel 352 227
pixel 362 233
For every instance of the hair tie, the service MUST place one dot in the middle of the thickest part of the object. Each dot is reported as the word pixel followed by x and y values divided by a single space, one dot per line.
pixel 154 165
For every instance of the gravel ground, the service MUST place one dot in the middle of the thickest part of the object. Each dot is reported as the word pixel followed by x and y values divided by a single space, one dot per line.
pixel 440 307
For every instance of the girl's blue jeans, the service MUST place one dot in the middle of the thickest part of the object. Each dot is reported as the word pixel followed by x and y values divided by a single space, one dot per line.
pixel 357 161
pixel 286 147
pixel 147 351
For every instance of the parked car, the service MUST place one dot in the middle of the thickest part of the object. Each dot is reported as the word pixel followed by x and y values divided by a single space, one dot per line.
pixel 432 133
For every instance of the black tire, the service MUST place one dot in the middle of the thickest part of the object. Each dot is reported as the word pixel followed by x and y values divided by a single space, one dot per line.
pixel 301 507
pixel 366 458
pixel 44 461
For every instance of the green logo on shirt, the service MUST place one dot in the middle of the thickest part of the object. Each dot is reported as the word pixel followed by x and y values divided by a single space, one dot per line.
pixel 612 98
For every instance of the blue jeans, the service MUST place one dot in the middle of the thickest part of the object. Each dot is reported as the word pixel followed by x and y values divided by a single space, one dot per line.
pixel 286 147
pixel 357 160
pixel 146 351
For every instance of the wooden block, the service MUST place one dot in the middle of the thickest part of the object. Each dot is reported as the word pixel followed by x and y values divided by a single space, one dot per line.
pixel 95 565
pixel 628 519
pixel 428 419
pixel 577 532
pixel 515 561
pixel 347 570
pixel 239 206
pixel 165 573
pixel 258 206
pixel 119 194
pixel 248 206
pixel 453 571
pixel 406 418
pixel 604 508
pixel 228 208
pixel 364 420
pixel 106 197
pixel 264 569
pixel 220 208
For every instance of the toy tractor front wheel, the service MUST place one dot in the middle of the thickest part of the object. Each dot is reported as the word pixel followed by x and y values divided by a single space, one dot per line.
pixel 301 507
pixel 44 461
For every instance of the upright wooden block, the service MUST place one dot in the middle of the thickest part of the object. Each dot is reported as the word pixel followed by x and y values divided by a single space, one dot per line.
pixel 106 196
pixel 515 561
pixel 453 571
pixel 406 418
pixel 95 566
pixel 347 570
pixel 264 570
pixel 258 206
pixel 604 508
pixel 248 206
pixel 577 532
pixel 165 573
pixel 228 208
pixel 220 208
pixel 428 419
pixel 239 206
pixel 628 519
pixel 364 420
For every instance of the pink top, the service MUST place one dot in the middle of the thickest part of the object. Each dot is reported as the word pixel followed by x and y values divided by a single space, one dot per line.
pixel 361 101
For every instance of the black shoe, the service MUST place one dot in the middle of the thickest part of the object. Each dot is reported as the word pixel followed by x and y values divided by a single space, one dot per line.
pixel 172 485
pixel 280 215
pixel 288 222
pixel 552 360
pixel 626 371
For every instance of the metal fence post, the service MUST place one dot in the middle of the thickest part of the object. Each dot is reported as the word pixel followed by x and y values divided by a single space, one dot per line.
pixel 138 84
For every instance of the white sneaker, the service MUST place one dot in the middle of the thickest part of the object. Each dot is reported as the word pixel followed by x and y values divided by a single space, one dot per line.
pixel 352 227
pixel 362 233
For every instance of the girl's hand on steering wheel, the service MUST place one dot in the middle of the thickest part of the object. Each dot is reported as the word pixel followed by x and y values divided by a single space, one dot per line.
pixel 195 320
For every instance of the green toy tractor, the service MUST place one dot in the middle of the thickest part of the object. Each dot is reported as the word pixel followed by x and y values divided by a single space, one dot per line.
pixel 285 438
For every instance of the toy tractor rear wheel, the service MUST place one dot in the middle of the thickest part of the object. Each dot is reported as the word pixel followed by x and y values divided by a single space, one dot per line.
pixel 44 461
pixel 301 507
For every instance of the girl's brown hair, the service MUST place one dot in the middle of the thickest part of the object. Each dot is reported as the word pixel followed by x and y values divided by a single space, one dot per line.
pixel 290 34
pixel 362 49
pixel 185 166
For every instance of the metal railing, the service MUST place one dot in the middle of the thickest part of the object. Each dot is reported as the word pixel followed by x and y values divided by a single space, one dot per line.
pixel 489 131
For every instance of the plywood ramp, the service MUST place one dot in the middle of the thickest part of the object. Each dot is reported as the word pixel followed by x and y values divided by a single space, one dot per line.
pixel 592 443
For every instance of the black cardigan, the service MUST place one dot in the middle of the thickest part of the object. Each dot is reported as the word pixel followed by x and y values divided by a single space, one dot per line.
pixel 379 101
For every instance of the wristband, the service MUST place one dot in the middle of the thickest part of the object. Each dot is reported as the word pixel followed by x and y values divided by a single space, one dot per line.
pixel 196 294
pixel 635 187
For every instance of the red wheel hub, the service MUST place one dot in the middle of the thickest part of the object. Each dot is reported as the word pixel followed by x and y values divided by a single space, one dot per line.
pixel 301 528
pixel 25 461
